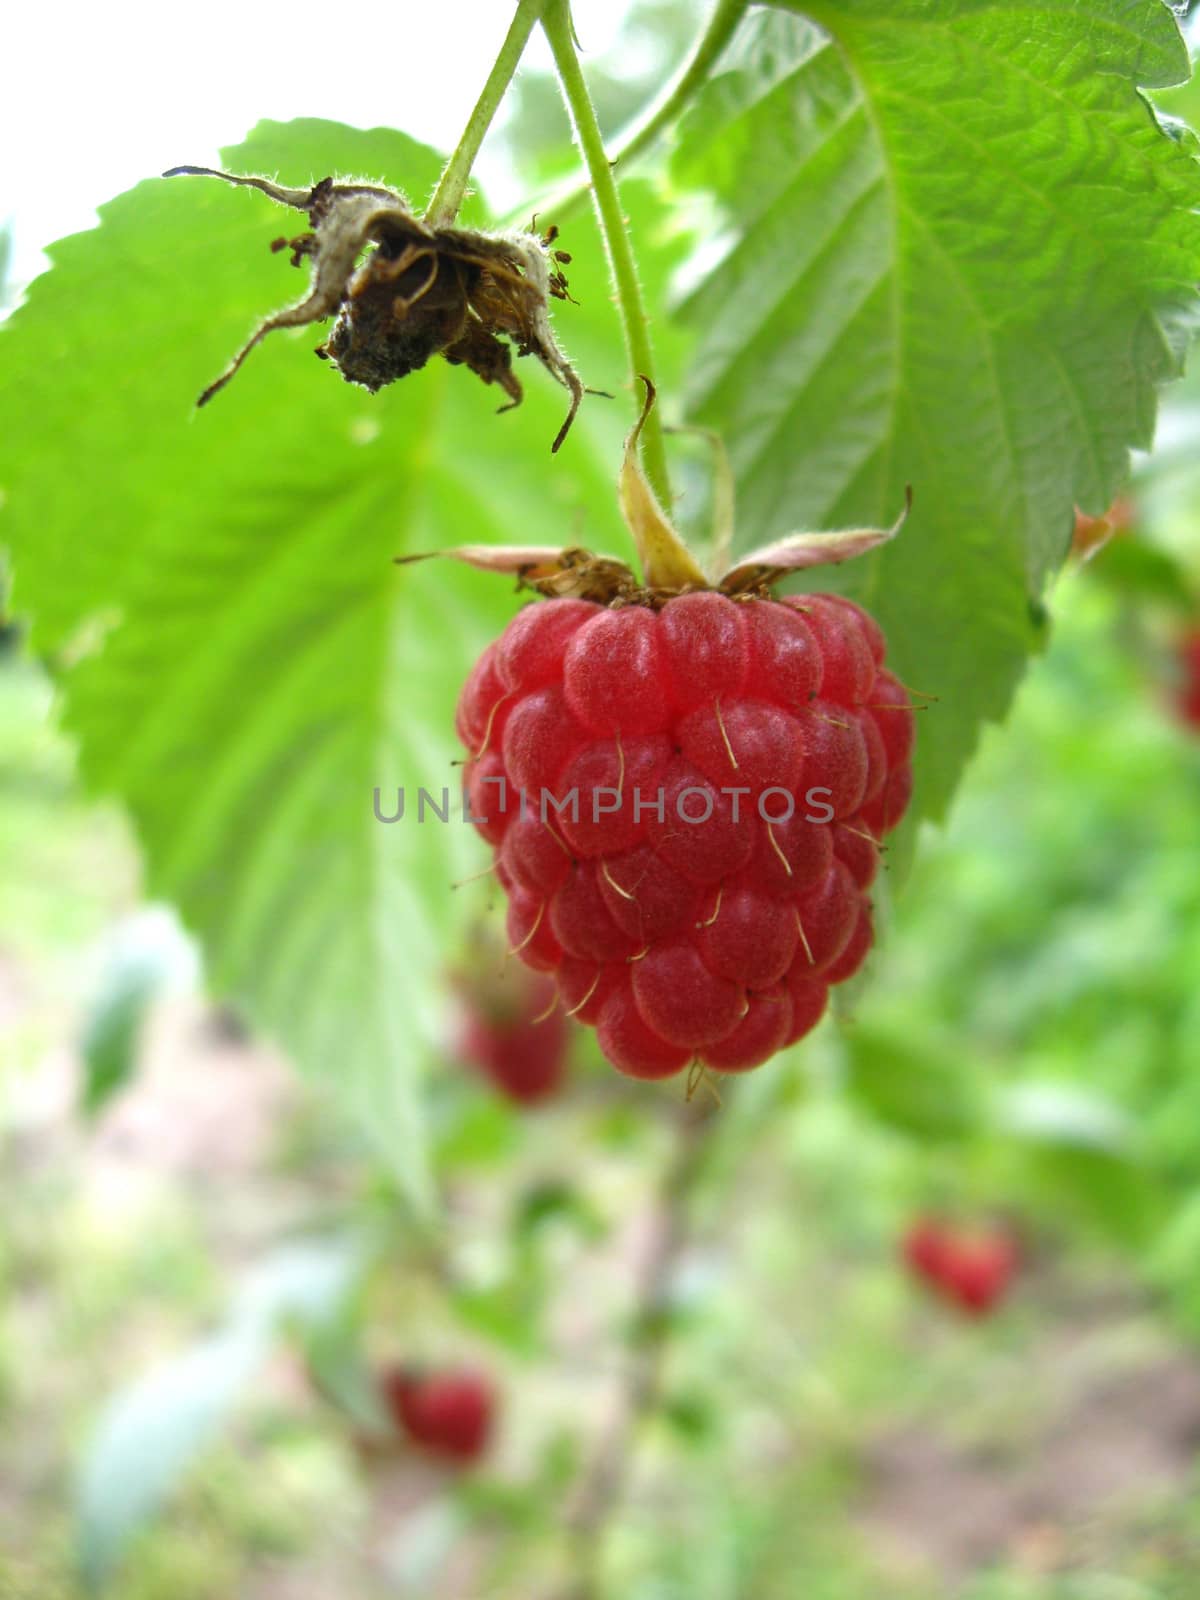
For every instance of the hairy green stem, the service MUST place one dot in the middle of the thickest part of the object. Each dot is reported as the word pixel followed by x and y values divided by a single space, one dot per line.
pixel 641 133
pixel 556 21
pixel 452 185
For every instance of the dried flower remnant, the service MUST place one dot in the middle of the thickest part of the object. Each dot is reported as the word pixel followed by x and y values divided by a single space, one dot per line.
pixel 417 292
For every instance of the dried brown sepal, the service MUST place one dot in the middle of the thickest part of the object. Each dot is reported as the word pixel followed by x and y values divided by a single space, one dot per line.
pixel 417 292
pixel 1091 534
pixel 579 573
pixel 555 573
pixel 668 565
pixel 771 562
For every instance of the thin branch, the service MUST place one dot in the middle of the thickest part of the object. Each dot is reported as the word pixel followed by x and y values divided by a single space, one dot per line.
pixel 556 21
pixel 452 185
pixel 604 1485
pixel 665 109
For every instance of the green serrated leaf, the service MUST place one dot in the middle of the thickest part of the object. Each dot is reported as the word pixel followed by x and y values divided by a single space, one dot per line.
pixel 239 659
pixel 958 251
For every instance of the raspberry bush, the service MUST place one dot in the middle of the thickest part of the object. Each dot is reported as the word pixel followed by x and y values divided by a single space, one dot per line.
pixel 686 806
pixel 860 246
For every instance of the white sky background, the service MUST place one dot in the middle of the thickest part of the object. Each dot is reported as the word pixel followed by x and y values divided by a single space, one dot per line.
pixel 94 98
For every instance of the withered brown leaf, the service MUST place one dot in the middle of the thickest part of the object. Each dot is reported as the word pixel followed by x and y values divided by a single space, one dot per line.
pixel 416 292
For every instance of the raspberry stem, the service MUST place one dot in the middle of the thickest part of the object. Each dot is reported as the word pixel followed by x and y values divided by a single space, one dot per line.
pixel 556 22
pixel 452 185
pixel 666 109
pixel 605 1481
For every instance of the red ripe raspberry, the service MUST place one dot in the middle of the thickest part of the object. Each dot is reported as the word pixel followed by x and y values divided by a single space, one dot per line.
pixel 514 1031
pixel 445 1414
pixel 705 786
pixel 981 1274
pixel 1187 689
pixel 926 1249
pixel 971 1271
